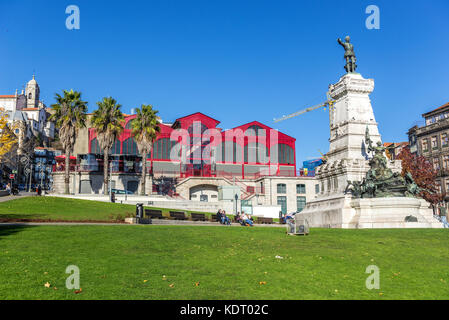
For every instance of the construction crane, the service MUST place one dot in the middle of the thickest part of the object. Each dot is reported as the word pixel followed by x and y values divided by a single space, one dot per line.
pixel 329 103
pixel 323 156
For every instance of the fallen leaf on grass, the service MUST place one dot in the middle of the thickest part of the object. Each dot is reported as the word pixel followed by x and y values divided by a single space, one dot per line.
pixel 79 291
pixel 145 281
pixel 172 285
pixel 262 282
pixel 197 284
pixel 47 285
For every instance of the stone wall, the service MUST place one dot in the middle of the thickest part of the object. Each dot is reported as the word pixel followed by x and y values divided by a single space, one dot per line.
pixel 95 180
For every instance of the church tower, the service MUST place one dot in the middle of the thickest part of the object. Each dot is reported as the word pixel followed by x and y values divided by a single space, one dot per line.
pixel 32 93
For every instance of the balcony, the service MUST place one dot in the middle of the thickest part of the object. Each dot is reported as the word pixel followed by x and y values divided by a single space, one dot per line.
pixel 98 168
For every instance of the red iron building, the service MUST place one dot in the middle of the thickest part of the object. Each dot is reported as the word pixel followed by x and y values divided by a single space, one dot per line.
pixel 194 146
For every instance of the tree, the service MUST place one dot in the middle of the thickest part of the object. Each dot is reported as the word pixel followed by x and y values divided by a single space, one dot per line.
pixel 69 116
pixel 108 123
pixel 7 137
pixel 145 128
pixel 423 173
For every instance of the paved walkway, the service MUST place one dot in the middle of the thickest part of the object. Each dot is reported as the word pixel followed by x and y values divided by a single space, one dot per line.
pixel 155 223
pixel 20 195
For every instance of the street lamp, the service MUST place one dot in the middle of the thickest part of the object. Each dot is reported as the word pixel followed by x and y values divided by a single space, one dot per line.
pixel 236 198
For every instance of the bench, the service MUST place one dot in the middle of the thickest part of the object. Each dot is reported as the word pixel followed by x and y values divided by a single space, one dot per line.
pixel 154 214
pixel 213 218
pixel 265 220
pixel 198 216
pixel 178 215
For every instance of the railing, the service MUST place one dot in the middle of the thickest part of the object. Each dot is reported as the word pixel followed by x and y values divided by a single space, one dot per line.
pixel 255 190
pixel 97 168
pixel 301 173
pixel 205 172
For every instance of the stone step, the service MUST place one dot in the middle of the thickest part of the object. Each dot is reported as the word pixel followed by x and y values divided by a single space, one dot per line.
pixel 390 224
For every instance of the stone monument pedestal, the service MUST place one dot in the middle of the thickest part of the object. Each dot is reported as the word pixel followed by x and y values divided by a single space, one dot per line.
pixel 391 213
pixel 347 213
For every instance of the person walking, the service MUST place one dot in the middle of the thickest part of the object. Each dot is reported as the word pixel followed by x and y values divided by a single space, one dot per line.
pixel 443 217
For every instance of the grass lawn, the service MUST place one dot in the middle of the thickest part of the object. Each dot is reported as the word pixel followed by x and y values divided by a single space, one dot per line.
pixel 54 208
pixel 129 262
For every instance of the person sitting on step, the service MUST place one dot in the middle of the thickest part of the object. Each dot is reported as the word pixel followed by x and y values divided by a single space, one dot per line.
pixel 224 219
pixel 247 220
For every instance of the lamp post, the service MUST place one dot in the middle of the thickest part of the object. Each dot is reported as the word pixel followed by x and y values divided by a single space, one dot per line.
pixel 236 197
pixel 110 180
pixel 31 175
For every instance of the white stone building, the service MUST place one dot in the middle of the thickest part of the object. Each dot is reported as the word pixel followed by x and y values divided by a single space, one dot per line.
pixel 27 107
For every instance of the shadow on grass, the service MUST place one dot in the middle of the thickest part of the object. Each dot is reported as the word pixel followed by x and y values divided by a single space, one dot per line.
pixel 8 230
pixel 11 217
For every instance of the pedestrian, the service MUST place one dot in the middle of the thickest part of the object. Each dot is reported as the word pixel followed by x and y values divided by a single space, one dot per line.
pixel 443 217
pixel 281 217
pixel 8 188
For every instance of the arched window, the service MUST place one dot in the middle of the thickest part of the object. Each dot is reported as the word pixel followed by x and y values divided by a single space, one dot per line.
pixel 255 152
pixel 281 188
pixel 255 130
pixel 229 151
pixel 130 147
pixel 95 147
pixel 285 154
pixel 129 124
pixel 197 128
pixel 162 148
pixel 116 147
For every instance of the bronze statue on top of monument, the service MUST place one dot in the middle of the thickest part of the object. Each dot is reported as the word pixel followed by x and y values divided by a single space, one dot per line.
pixel 349 54
pixel 380 181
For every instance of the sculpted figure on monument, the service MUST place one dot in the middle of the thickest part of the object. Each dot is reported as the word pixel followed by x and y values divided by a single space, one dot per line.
pixel 380 181
pixel 349 54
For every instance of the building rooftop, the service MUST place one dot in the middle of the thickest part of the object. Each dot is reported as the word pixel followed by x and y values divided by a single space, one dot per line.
pixel 439 109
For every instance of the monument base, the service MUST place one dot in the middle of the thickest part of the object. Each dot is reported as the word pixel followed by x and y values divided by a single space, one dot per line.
pixel 342 211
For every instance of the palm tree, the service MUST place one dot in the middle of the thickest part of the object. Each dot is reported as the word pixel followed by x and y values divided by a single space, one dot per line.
pixel 108 123
pixel 69 116
pixel 145 128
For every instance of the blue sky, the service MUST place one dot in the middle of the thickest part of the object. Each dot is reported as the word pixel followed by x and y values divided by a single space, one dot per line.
pixel 237 61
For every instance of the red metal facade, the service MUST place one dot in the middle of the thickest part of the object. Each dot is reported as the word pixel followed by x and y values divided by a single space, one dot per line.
pixel 198 132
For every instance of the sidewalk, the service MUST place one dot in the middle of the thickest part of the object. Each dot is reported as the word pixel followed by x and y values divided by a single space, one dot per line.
pixel 20 195
pixel 155 222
